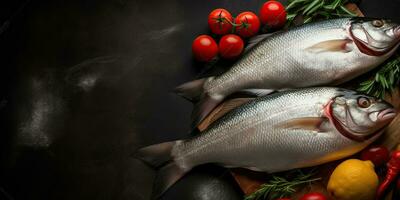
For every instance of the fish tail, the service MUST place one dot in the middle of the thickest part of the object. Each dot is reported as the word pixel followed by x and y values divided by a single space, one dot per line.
pixel 192 90
pixel 203 102
pixel 159 157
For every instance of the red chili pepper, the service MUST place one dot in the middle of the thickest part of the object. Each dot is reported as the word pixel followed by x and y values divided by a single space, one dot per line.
pixel 391 174
pixel 396 194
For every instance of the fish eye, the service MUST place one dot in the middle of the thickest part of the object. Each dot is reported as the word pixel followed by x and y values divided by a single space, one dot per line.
pixel 377 23
pixel 363 102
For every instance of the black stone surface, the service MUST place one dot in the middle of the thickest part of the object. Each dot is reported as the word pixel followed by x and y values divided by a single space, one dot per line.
pixel 85 83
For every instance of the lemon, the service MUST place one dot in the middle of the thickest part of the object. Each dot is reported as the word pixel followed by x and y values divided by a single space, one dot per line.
pixel 353 180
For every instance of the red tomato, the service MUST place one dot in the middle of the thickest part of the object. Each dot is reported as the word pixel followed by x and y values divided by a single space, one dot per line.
pixel 248 24
pixel 219 21
pixel 230 46
pixel 378 155
pixel 273 14
pixel 204 48
pixel 313 196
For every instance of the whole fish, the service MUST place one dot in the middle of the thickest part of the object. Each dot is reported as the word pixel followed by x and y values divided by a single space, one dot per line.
pixel 277 132
pixel 323 53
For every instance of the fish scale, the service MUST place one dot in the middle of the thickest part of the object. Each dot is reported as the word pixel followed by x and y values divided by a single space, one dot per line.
pixel 282 131
pixel 290 129
pixel 247 135
pixel 328 52
pixel 273 57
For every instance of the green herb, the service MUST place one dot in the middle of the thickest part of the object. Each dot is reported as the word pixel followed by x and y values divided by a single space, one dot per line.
pixel 317 9
pixel 279 187
pixel 385 80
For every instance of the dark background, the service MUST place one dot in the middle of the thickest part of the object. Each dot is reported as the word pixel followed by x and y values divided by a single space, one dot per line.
pixel 86 83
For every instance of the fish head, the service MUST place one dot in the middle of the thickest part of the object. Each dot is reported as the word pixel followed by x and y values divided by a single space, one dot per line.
pixel 360 117
pixel 374 37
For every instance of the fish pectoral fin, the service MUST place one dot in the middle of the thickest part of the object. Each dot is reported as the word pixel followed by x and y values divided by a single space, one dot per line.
pixel 331 45
pixel 221 110
pixel 306 123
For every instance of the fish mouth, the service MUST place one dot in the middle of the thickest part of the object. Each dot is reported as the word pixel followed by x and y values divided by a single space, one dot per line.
pixel 387 115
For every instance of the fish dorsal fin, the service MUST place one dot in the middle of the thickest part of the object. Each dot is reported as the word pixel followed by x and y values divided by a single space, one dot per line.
pixel 331 45
pixel 221 110
pixel 255 40
pixel 305 123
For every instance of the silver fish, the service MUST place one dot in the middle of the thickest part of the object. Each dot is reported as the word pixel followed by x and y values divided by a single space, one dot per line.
pixel 277 132
pixel 317 54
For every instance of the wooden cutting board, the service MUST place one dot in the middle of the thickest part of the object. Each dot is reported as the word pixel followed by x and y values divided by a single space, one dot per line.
pixel 250 181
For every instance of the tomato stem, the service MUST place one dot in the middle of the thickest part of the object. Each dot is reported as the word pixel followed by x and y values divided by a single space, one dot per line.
pixel 221 20
pixel 245 25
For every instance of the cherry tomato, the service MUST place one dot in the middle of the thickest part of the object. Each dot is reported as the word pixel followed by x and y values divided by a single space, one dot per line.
pixel 273 14
pixel 219 21
pixel 378 155
pixel 248 24
pixel 313 196
pixel 230 46
pixel 204 48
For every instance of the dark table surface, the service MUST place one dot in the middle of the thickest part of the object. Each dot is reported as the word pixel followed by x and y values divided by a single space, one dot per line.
pixel 86 83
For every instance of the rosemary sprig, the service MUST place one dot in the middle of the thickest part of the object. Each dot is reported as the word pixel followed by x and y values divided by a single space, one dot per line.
pixel 317 9
pixel 385 80
pixel 279 187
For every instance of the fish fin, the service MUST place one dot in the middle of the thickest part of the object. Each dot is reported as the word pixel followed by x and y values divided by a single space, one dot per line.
pixel 221 110
pixel 257 92
pixel 192 90
pixel 204 103
pixel 330 45
pixel 230 105
pixel 156 155
pixel 203 108
pixel 168 175
pixel 307 123
pixel 254 169
pixel 255 40
pixel 159 156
